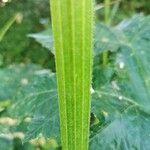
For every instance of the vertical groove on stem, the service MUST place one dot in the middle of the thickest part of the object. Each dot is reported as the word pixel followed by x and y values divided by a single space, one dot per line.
pixel 74 72
pixel 60 69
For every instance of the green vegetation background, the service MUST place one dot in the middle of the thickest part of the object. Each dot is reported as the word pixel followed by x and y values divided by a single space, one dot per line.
pixel 17 48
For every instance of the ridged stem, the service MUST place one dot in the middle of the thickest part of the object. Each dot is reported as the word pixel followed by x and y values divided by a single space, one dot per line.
pixel 72 23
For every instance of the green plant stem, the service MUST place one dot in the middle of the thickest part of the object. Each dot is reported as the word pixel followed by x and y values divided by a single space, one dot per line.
pixel 114 10
pixel 105 58
pixel 72 23
pixel 101 6
pixel 107 11
pixel 107 22
pixel 7 26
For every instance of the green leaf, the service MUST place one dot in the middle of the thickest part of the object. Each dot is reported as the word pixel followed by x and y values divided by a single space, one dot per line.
pixel 130 130
pixel 38 100
pixel 44 38
pixel 12 78
pixel 105 39
pixel 122 106
pixel 136 58
pixel 33 95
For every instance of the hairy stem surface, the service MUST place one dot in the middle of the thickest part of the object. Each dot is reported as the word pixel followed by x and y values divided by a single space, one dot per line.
pixel 72 23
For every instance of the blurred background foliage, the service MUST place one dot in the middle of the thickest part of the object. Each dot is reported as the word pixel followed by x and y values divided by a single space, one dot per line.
pixel 35 15
pixel 22 49
pixel 28 83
